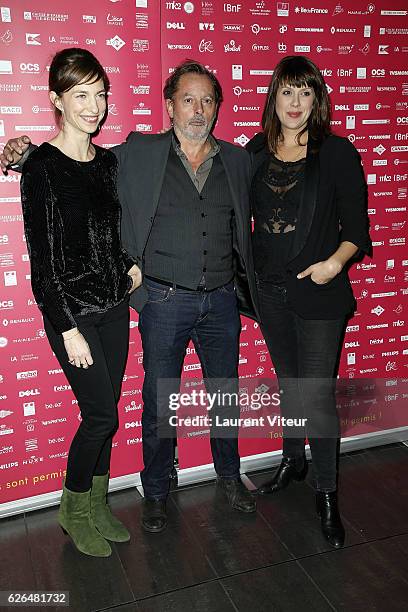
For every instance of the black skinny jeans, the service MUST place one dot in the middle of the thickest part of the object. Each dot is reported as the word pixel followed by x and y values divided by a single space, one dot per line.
pixel 304 353
pixel 97 390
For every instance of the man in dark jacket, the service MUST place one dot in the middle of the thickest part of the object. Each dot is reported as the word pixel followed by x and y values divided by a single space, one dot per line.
pixel 186 221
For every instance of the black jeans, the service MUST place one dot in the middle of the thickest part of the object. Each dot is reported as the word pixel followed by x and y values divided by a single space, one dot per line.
pixel 170 319
pixel 97 390
pixel 304 353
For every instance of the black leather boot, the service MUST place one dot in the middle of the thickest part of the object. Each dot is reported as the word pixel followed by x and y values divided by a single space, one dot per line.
pixel 154 517
pixel 291 468
pixel 327 510
pixel 239 498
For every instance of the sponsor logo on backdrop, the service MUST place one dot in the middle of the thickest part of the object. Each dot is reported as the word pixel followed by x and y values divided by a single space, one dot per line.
pixel 116 42
pixel 113 20
pixel 140 45
pixel 89 18
pixel 40 16
pixel 311 10
pixel 393 13
pixel 256 28
pixel 236 72
pixel 179 47
pixel 175 25
pixel 6 67
pixel 32 39
pixel 143 127
pixel 232 8
pixel 206 46
pixel 5 14
pixel 233 27
pixel 238 91
pixel 206 27
pixel 142 21
pixel 241 140
pixel 7 37
pixel 188 7
pixel 282 9
pixel 231 46
pixel 140 89
pixel 11 110
pixel 28 374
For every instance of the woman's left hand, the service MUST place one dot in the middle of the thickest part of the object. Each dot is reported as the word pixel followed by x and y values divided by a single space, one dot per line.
pixel 322 272
pixel 136 276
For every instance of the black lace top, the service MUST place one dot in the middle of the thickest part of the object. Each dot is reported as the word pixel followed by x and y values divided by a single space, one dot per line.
pixel 276 195
pixel 72 225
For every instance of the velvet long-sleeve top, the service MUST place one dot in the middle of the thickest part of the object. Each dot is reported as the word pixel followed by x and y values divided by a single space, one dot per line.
pixel 72 224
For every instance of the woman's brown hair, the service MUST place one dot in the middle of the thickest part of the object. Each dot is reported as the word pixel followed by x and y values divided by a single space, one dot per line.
pixel 297 71
pixel 71 67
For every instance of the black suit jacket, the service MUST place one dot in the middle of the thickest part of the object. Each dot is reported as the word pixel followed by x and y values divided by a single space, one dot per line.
pixel 142 165
pixel 333 209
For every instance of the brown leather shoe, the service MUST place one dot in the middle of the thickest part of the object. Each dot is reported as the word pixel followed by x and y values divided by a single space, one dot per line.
pixel 239 498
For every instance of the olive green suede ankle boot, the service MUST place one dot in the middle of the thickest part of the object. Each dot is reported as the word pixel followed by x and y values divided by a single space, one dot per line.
pixel 107 524
pixel 74 516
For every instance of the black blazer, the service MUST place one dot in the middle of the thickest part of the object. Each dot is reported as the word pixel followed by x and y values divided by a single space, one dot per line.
pixel 333 209
pixel 142 165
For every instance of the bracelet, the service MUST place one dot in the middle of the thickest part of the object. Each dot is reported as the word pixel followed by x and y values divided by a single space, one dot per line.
pixel 73 335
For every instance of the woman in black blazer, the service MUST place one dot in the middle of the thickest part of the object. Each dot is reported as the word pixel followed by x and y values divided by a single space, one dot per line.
pixel 310 219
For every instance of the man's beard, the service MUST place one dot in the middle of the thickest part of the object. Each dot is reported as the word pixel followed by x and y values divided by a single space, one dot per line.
pixel 191 131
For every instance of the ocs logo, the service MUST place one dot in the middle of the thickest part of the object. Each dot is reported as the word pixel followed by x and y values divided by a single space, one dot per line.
pixel 377 72
pixel 28 67
pixel 402 120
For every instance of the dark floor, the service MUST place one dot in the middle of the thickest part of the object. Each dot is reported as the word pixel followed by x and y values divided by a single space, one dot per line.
pixel 211 559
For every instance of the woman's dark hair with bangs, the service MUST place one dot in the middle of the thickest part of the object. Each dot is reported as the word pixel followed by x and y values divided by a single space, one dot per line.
pixel 71 67
pixel 297 71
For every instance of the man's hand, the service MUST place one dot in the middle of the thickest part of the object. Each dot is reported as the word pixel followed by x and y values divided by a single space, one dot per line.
pixel 13 151
pixel 136 276
pixel 323 271
pixel 78 351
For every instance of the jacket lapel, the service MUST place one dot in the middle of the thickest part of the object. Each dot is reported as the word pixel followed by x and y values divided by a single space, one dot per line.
pixel 232 174
pixel 156 167
pixel 308 202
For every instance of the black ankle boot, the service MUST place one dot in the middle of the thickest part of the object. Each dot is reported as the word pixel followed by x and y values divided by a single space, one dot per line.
pixel 327 510
pixel 154 517
pixel 291 468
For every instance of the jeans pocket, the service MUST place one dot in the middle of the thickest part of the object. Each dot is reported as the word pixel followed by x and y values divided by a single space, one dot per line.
pixel 229 288
pixel 157 295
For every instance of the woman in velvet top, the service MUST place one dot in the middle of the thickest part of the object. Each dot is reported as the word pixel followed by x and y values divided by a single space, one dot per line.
pixel 310 219
pixel 81 279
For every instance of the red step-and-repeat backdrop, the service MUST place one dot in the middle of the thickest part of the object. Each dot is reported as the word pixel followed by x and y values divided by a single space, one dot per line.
pixel 362 51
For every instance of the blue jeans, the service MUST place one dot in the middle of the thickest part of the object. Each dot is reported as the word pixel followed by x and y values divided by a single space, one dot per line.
pixel 305 354
pixel 170 319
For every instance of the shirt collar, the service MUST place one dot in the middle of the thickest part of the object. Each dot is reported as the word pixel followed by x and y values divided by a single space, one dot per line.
pixel 215 147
